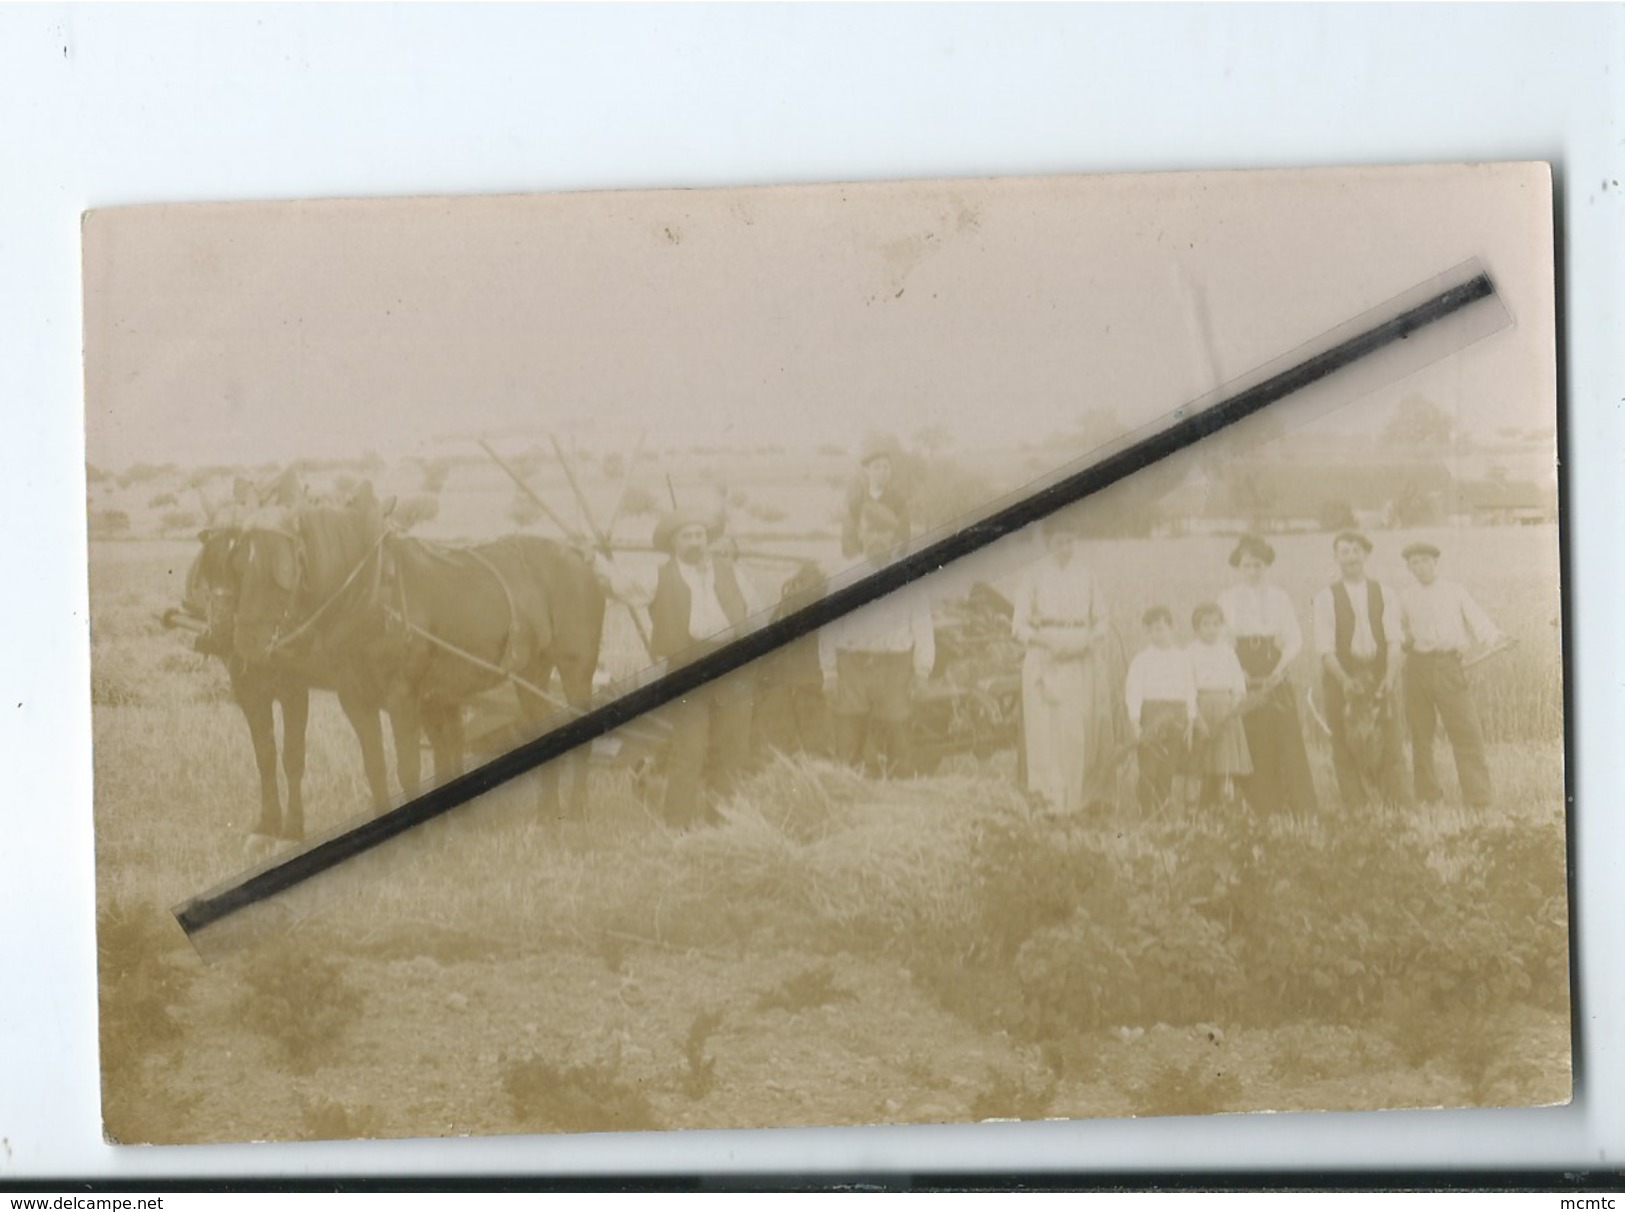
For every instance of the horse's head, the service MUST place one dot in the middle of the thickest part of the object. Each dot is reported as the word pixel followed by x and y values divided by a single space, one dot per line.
pixel 212 589
pixel 266 564
pixel 266 559
pixel 295 564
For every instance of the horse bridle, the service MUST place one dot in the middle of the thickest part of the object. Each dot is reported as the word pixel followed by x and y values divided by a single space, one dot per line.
pixel 246 540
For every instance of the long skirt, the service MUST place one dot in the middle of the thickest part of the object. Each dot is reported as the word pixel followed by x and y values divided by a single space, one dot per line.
pixel 1068 722
pixel 1224 750
pixel 1281 781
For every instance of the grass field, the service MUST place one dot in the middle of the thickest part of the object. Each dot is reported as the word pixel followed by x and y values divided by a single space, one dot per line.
pixel 837 951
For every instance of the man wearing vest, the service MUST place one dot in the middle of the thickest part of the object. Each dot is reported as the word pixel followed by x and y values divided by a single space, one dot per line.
pixel 1358 632
pixel 697 601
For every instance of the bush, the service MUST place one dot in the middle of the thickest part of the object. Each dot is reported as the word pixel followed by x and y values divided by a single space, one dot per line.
pixel 145 473
pixel 328 1119
pixel 178 520
pixel 145 977
pixel 806 990
pixel 1183 920
pixel 768 513
pixel 700 1075
pixel 109 523
pixel 638 502
pixel 416 510
pixel 435 473
pixel 1336 515
pixel 589 1097
pixel 300 1002
pixel 944 490
pixel 1010 1097
pixel 523 510
pixel 1194 1088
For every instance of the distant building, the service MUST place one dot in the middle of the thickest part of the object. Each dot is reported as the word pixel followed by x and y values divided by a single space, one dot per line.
pixel 1280 496
pixel 1502 502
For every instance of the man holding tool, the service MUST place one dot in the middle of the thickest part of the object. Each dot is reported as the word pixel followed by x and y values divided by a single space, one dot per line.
pixel 1358 628
pixel 1442 622
pixel 698 602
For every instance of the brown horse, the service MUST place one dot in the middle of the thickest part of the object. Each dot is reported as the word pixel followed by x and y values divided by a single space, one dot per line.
pixel 416 628
pixel 211 595
pixel 213 589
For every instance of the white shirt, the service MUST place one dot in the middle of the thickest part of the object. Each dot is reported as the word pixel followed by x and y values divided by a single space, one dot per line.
pixel 1363 643
pixel 706 617
pixel 899 622
pixel 1442 617
pixel 1160 674
pixel 1054 596
pixel 1215 667
pixel 1263 611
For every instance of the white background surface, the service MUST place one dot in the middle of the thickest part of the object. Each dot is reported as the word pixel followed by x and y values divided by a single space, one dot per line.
pixel 100 106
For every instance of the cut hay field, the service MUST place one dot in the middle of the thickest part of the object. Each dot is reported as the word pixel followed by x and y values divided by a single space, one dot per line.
pixel 837 951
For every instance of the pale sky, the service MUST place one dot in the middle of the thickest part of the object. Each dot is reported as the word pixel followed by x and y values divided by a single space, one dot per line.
pixel 254 333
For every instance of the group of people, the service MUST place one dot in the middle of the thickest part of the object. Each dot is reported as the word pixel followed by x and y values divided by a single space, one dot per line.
pixel 1219 716
pixel 1214 719
pixel 866 667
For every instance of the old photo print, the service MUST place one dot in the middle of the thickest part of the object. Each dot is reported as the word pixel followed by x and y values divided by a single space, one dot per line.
pixel 1238 788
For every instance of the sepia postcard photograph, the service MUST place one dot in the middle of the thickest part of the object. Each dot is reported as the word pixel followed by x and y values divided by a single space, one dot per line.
pixel 1237 786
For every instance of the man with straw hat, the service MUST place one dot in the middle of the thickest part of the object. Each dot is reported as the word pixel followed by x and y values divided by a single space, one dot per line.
pixel 1442 622
pixel 698 602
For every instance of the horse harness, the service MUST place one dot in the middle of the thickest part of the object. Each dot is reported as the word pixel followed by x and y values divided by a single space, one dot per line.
pixel 279 640
pixel 513 658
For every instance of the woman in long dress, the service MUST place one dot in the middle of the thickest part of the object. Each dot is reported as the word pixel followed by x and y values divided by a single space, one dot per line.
pixel 1264 628
pixel 1068 698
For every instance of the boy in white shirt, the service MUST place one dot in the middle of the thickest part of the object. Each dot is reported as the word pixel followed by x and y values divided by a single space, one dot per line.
pixel 1161 694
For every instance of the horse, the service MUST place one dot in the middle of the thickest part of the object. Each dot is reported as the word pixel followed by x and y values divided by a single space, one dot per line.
pixel 209 600
pixel 417 628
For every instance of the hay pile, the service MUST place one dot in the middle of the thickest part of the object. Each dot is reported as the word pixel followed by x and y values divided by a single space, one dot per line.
pixel 847 859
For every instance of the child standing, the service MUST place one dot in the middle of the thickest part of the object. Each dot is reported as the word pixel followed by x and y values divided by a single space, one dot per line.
pixel 1162 708
pixel 1220 686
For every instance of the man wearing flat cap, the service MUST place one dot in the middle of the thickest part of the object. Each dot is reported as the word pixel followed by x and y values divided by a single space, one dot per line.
pixel 698 601
pixel 1441 623
pixel 880 481
pixel 1359 629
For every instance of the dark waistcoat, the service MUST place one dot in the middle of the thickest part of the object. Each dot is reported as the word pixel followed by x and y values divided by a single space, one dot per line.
pixel 669 609
pixel 1343 610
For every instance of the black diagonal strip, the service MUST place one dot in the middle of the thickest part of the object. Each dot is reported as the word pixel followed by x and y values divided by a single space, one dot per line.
pixel 204 910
